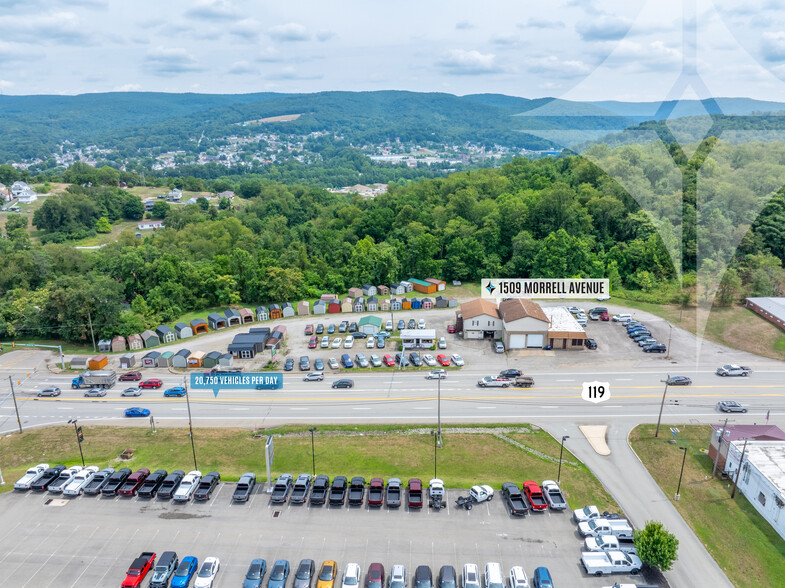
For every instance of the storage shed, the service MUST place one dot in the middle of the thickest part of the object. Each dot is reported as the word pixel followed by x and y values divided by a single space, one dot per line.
pixel 406 304
pixel 347 304
pixel 199 326
pixel 246 315
pixel 396 289
pixel 216 321
pixel 440 284
pixel 369 290
pixel 79 363
pixel 303 308
pixel 232 317
pixel 135 342
pixel 104 345
pixel 183 330
pixel 150 339
pixel 211 359
pixel 423 286
pixel 287 310
pixel 334 307
pixel 355 292
pixel 180 359
pixel 359 305
pixel 452 302
pixel 319 307
pixel 407 286
pixel 127 361
pixel 166 334
pixel 372 304
pixel 151 359
pixel 384 304
pixel 119 344
pixel 396 304
pixel 97 362
pixel 262 313
pixel 441 302
pixel 226 360
pixel 195 359
pixel 275 312
pixel 382 290
pixel 416 303
pixel 165 359
pixel 370 325
pixel 427 303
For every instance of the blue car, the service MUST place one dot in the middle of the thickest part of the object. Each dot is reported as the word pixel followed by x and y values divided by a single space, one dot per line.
pixel 137 412
pixel 279 574
pixel 176 391
pixel 255 574
pixel 542 578
pixel 184 573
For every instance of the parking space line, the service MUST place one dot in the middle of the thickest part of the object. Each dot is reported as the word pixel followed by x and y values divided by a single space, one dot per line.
pixel 87 566
pixel 62 544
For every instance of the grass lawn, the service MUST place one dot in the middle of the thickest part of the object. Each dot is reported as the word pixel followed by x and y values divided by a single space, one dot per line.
pixel 68 347
pixel 745 546
pixel 370 451
pixel 104 238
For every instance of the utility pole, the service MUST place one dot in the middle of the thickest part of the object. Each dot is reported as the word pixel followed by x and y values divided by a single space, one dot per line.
pixel 561 453
pixel 16 408
pixel 670 332
pixel 684 459
pixel 659 418
pixel 79 437
pixel 738 472
pixel 719 445
pixel 92 335
pixel 313 450
pixel 439 409
pixel 190 426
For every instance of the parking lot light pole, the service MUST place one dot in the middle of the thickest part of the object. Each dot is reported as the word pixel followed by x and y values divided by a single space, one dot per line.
pixel 16 407
pixel 435 439
pixel 313 450
pixel 678 488
pixel 561 453
pixel 659 418
pixel 439 409
pixel 78 439
pixel 190 425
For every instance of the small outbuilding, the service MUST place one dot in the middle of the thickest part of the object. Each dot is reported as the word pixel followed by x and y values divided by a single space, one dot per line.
pixel 275 312
pixel 119 344
pixel 303 308
pixel 246 315
pixel 232 317
pixel 150 359
pixel 97 362
pixel 372 304
pixel 427 303
pixel 382 290
pixel 195 359
pixel 452 302
pixel 369 290
pixel 440 284
pixel 165 359
pixel 216 321
pixel 287 310
pixel 347 304
pixel 198 326
pixel 135 342
pixel 166 334
pixel 355 292
pixel 262 313
pixel 127 361
pixel 150 339
pixel 211 359
pixel 416 303
pixel 226 360
pixel 183 330
pixel 79 363
pixel 407 286
pixel 441 302
pixel 334 307
pixel 359 305
pixel 406 304
pixel 180 359
pixel 370 325
pixel 320 307
pixel 328 297
pixel 422 286
pixel 396 304
pixel 105 345
pixel 397 290
pixel 384 304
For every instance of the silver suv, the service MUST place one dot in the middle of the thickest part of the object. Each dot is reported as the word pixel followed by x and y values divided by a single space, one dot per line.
pixel 397 577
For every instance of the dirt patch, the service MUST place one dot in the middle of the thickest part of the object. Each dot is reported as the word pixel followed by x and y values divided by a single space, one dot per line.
pixel 180 516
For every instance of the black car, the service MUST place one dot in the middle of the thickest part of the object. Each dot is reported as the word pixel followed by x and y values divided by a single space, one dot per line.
pixel 338 490
pixel 359 335
pixel 352 327
pixel 319 329
pixel 655 348
pixel 679 381
pixel 169 485
pixel 447 577
pixel 318 364
pixel 401 324
pixel 305 363
pixel 412 324
pixel 319 489
pixel 423 577
pixel 207 485
pixel 50 475
pixel 331 328
pixel 342 326
pixel 415 359
pixel 303 577
pixel 400 360
pixel 510 373
pixel 115 481
pixel 288 365
pixel 343 384
pixel 151 484
pixel 591 344
pixel 641 337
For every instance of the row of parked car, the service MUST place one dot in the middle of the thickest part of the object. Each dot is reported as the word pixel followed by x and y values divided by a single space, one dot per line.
pixel 352 327
pixel 373 360
pixel 77 480
pixel 608 545
pixel 639 333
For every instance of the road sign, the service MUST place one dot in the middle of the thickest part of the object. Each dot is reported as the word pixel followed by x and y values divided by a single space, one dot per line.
pixel 596 392
pixel 79 434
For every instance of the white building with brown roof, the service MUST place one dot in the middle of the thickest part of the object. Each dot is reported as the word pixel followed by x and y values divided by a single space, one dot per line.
pixel 479 319
pixel 525 324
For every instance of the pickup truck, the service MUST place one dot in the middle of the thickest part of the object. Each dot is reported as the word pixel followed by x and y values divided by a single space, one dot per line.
pixel 357 490
pixel 610 562
pixel 597 527
pixel 300 489
pixel 553 495
pixel 242 492
pixel 415 493
pixel 514 500
pixel 734 370
pixel 376 492
pixel 319 489
pixel 138 570
pixel 493 382
pixel 609 543
pixel 523 381
pixel 281 489
pixel 338 490
pixel 437 494
pixel 94 379
pixel 393 494
pixel 535 496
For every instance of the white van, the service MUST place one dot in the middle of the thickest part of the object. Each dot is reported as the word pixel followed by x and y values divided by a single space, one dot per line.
pixel 617 318
pixel 388 326
pixel 494 577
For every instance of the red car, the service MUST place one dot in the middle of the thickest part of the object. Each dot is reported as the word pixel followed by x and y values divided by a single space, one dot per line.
pixel 414 492
pixel 604 316
pixel 133 482
pixel 450 328
pixel 309 329
pixel 313 342
pixel 140 567
pixel 443 359
pixel 151 383
pixel 535 496
pixel 130 377
pixel 388 360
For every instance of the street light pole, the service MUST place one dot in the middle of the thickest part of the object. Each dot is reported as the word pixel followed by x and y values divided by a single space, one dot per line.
pixel 435 438
pixel 678 488
pixel 659 418
pixel 190 425
pixel 439 408
pixel 313 450
pixel 561 453
pixel 78 440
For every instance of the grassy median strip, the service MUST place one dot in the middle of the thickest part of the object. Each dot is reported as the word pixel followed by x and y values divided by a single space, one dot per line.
pixel 740 540
pixel 471 454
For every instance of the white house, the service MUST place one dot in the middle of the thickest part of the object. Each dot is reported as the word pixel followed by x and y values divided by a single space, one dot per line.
pixel 18 187
pixel 148 224
pixel 479 319
pixel 27 196
pixel 175 195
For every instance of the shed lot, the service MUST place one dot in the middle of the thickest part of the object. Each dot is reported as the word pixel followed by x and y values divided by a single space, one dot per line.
pixel 90 541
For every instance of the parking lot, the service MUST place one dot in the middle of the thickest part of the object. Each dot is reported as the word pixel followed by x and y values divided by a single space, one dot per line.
pixel 90 541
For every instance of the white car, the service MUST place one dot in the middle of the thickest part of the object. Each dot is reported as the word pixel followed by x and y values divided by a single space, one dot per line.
pixel 389 326
pixel 481 493
pixel 31 476
pixel 131 392
pixel 369 344
pixel 333 363
pixel 82 479
pixel 187 487
pixel 325 342
pixel 733 370
pixel 351 576
pixel 471 576
pixel 375 361
pixel 442 343
pixel 206 575
pixel 64 479
pixel 456 359
pixel 421 324
pixel 518 578
pixel 429 360
pixel 337 342
pixel 348 342
pixel 586 513
pixel 436 375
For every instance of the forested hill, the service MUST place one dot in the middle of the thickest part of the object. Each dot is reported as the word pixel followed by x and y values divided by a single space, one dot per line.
pixel 34 126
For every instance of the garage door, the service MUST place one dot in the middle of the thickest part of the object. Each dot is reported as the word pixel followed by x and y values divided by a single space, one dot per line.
pixel 534 341
pixel 517 342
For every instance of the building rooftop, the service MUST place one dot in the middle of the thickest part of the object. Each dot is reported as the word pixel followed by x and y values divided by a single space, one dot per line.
pixel 768 457
pixel 774 306
pixel 758 432
pixel 562 321
pixel 477 307
pixel 518 308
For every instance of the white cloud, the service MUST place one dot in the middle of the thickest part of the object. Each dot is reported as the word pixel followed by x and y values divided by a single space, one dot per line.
pixel 60 27
pixel 171 60
pixel 464 25
pixel 510 39
pixel 462 62
pixel 647 57
pixel 541 23
pixel 269 55
pixel 128 88
pixel 242 68
pixel 773 46
pixel 212 10
pixel 554 67
pixel 5 85
pixel 323 36
pixel 291 73
pixel 248 28
pixel 290 32
pixel 16 52
pixel 603 28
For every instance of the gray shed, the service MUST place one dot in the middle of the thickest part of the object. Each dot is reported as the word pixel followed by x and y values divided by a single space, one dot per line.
pixel 166 334
pixel 151 359
pixel 216 321
pixel 320 307
pixel 165 359
pixel 127 361
pixel 287 309
pixel 104 345
pixel 183 330
pixel 232 317
pixel 180 359
pixel 262 314
pixel 211 359
pixel 79 363
pixel 150 339
pixel 226 360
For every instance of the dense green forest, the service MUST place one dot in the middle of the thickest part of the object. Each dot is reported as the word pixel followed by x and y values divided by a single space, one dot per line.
pixel 651 220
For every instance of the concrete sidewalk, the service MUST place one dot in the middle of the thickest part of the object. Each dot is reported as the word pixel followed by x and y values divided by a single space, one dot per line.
pixel 641 499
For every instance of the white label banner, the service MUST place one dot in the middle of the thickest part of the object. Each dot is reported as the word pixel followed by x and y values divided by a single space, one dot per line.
pixel 545 288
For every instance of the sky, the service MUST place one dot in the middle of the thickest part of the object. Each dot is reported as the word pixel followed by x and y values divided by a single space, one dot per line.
pixel 574 49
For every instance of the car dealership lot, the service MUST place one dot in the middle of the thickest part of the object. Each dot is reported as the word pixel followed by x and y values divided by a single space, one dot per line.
pixel 90 541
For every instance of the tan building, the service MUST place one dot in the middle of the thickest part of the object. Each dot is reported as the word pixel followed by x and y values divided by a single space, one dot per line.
pixel 479 319
pixel 564 332
pixel 525 324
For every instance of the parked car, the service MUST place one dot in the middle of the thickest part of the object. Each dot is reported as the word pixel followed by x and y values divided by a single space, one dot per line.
pixel 348 342
pixel 288 365
pixel 346 361
pixel 397 577
pixel 353 327
pixel 137 411
pixel 401 325
pixel 170 484
pixel 375 576
pixel 279 573
pixel 65 478
pixel 498 347
pixel 400 360
pixel 443 360
pixel 591 343
pixel 151 383
pixel 76 486
pixel 255 574
pixel 164 568
pixel 281 489
pixel 617 318
pixel 456 359
pixel 414 493
pixel 207 485
pixel 51 391
pixel 327 574
pixel 337 342
pixel 313 342
pixel 447 578
pixel 318 364
pixel 415 359
pixel 471 576
pixel 206 575
pixel 428 360
pixel 679 381
pixel 375 361
pixel 187 486
pixel 333 363
pixel 49 476
pixel 319 489
pixel 331 328
pixel 494 576
pixel 388 360
pixel 130 377
pixel 300 489
pixel 338 490
pixel 152 483
pixel 319 328
pixel 655 348
pixel 131 392
pixel 362 361
pixel 133 482
pixel 351 576
pixel 442 344
pixel 370 343
pixel 392 495
pixel 424 579
pixel 98 481
pixel 244 488
pixel 542 578
pixel 115 481
pixel 32 475
pixel 305 363
pixel 303 577
pixel 380 342
pixel 185 571
pixel 325 342
pixel 309 329
pixel 411 324
pixel 342 326
pixel 313 377
pixel 730 406
pixel 514 499
pixel 518 578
